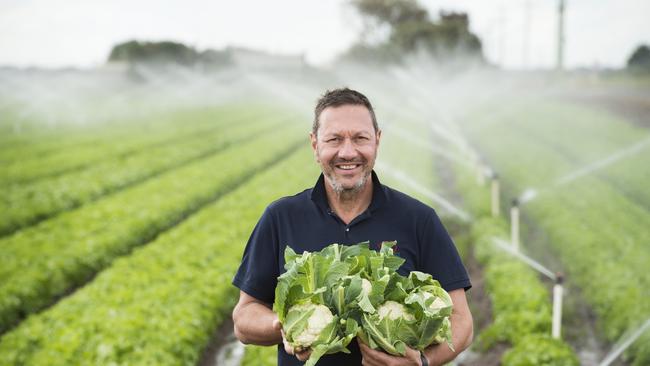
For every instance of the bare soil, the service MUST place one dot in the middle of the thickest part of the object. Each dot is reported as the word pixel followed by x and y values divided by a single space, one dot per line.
pixel 633 104
pixel 222 336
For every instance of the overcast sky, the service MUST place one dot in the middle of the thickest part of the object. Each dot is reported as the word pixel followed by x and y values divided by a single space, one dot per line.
pixel 56 33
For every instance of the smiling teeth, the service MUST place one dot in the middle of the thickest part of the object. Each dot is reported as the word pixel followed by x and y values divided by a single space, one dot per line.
pixel 348 167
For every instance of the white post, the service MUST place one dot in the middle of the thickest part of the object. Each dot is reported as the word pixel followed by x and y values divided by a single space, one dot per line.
pixel 514 224
pixel 557 306
pixel 495 195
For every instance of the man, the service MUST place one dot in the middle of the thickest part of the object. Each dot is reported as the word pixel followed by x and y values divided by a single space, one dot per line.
pixel 347 205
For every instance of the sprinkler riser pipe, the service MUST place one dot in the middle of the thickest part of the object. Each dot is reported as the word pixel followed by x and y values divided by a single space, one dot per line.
pixel 556 329
pixel 514 226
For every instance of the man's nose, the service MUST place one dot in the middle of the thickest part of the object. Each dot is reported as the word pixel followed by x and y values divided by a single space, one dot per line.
pixel 348 151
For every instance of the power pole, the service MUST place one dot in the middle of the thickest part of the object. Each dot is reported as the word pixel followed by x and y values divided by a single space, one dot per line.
pixel 560 36
pixel 526 35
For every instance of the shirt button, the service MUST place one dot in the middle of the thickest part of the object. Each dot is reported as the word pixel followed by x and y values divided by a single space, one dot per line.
pixel 347 229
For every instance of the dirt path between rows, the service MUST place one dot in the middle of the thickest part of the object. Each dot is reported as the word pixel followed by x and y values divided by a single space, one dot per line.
pixel 477 296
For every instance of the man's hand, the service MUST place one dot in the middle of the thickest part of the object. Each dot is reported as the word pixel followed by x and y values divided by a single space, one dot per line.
pixel 439 354
pixel 302 355
pixel 371 357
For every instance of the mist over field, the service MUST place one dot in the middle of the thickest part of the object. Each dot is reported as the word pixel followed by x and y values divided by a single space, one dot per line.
pixel 129 190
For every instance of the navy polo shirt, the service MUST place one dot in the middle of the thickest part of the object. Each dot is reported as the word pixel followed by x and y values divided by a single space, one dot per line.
pixel 305 222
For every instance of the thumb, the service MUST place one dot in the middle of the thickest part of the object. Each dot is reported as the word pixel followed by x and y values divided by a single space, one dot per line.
pixel 276 324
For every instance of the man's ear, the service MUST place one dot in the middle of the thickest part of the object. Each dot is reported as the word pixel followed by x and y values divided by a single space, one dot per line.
pixel 314 142
pixel 378 136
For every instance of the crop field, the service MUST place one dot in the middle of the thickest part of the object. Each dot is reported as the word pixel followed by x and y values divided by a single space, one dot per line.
pixel 119 237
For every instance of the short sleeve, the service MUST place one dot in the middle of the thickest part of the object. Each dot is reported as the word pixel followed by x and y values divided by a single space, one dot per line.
pixel 439 257
pixel 258 271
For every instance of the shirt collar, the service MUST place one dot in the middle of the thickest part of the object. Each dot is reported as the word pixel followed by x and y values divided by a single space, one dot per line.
pixel 319 196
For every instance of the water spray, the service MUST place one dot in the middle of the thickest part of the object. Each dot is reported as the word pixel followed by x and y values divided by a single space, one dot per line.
pixel 624 343
pixel 416 186
pixel 481 172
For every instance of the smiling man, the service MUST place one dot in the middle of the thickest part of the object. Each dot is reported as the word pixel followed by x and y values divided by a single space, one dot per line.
pixel 347 205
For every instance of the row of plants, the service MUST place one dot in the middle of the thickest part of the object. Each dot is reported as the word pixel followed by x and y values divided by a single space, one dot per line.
pixel 161 304
pixel 44 261
pixel 65 151
pixel 594 227
pixel 586 137
pixel 405 158
pixel 25 204
pixel 521 310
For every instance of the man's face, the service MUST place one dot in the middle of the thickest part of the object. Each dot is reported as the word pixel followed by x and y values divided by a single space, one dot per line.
pixel 346 146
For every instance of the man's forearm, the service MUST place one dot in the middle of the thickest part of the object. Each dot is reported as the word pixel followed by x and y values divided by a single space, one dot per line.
pixel 254 324
pixel 462 331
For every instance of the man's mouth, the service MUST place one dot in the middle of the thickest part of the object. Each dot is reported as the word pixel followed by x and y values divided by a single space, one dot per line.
pixel 348 166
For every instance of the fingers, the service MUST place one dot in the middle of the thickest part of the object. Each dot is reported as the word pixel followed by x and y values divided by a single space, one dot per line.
pixel 371 357
pixel 303 355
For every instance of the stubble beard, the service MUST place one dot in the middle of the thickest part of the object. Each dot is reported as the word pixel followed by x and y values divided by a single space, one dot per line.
pixel 347 193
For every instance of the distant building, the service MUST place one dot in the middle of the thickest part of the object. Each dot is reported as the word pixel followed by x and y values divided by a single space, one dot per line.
pixel 262 61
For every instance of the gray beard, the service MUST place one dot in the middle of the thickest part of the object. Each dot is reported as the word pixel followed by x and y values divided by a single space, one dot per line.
pixel 348 193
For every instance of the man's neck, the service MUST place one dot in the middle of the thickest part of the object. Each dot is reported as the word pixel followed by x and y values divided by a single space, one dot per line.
pixel 347 205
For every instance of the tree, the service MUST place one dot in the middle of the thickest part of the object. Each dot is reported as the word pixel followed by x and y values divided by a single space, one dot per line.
pixel 154 52
pixel 394 28
pixel 640 59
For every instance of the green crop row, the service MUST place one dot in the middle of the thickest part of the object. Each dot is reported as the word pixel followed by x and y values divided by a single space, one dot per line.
pixel 599 231
pixel 260 356
pixel 21 166
pixel 161 304
pixel 405 149
pixel 31 136
pixel 583 137
pixel 26 204
pixel 46 260
pixel 521 308
pixel 615 237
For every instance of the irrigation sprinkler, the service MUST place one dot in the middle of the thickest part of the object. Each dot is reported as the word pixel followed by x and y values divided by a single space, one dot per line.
pixel 514 224
pixel 495 195
pixel 558 278
pixel 558 290
pixel 417 187
pixel 624 343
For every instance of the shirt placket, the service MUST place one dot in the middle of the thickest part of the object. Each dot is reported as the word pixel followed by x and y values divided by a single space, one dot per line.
pixel 347 227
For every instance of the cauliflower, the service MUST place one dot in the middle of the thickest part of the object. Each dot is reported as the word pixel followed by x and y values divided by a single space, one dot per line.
pixel 394 310
pixel 366 287
pixel 437 304
pixel 319 319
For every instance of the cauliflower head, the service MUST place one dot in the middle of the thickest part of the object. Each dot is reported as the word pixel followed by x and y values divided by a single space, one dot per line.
pixel 394 310
pixel 320 318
